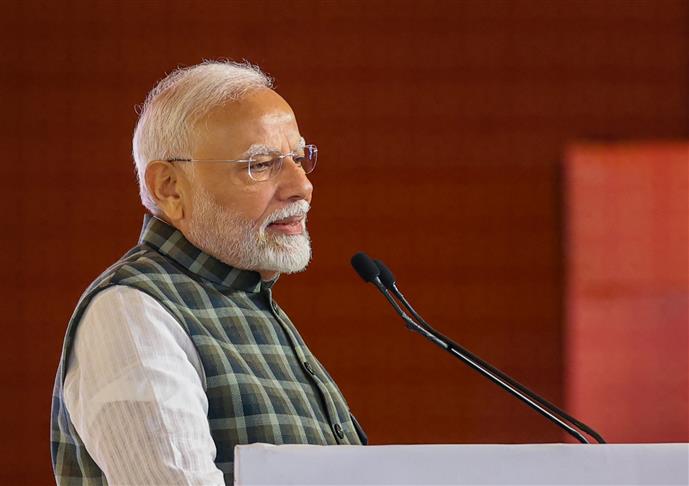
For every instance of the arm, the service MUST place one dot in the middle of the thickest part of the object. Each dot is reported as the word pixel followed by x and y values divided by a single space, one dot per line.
pixel 134 390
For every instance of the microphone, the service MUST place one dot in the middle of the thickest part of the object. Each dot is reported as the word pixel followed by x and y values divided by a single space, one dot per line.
pixel 388 280
pixel 365 267
pixel 370 273
pixel 382 277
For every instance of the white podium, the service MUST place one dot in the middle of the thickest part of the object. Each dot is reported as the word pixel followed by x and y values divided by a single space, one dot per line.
pixel 620 464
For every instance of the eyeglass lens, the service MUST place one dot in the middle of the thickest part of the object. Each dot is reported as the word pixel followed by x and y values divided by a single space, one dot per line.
pixel 263 167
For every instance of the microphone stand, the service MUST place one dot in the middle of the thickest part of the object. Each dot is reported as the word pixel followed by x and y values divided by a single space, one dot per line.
pixel 379 275
pixel 461 353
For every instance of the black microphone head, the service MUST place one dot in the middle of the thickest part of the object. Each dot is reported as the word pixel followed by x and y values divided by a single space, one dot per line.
pixel 386 275
pixel 365 267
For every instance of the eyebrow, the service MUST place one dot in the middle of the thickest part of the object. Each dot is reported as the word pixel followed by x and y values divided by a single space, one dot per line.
pixel 261 148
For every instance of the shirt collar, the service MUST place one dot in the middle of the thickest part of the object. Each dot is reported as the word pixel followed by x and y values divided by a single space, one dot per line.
pixel 169 241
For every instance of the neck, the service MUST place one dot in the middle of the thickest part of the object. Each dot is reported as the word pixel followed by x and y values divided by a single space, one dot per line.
pixel 267 276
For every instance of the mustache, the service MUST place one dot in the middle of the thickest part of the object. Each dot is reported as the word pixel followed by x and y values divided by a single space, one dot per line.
pixel 296 209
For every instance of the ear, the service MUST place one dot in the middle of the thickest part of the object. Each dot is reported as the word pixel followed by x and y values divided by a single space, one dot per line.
pixel 167 189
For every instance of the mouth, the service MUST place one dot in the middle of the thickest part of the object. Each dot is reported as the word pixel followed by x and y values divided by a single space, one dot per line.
pixel 294 225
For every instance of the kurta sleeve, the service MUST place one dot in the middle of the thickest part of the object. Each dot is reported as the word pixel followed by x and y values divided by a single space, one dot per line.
pixel 134 390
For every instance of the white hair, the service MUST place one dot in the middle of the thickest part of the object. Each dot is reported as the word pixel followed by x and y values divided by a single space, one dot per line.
pixel 167 118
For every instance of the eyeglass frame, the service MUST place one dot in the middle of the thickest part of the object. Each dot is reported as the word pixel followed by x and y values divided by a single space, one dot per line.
pixel 275 155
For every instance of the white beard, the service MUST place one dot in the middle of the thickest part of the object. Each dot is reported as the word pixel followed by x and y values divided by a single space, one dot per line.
pixel 245 244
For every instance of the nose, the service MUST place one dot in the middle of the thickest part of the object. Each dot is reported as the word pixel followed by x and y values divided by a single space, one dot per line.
pixel 293 184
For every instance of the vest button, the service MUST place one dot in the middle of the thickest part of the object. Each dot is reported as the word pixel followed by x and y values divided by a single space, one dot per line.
pixel 309 368
pixel 338 431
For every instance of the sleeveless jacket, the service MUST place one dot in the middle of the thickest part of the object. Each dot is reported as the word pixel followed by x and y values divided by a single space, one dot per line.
pixel 244 341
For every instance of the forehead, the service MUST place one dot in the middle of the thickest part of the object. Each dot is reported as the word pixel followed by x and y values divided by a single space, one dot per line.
pixel 262 117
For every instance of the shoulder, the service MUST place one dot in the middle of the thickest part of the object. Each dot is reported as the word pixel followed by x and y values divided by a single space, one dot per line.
pixel 142 261
pixel 122 323
pixel 145 270
pixel 122 312
pixel 128 310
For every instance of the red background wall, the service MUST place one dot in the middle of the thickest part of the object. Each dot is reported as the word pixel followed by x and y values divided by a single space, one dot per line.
pixel 441 127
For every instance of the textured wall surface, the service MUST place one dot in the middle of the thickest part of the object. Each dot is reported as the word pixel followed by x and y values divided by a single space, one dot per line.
pixel 441 128
pixel 627 304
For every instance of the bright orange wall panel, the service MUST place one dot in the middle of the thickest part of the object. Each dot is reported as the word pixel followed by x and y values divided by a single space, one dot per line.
pixel 627 318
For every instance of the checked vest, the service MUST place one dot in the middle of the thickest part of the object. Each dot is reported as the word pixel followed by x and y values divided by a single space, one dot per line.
pixel 248 348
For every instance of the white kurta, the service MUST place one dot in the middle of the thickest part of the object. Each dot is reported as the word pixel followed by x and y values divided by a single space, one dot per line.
pixel 134 389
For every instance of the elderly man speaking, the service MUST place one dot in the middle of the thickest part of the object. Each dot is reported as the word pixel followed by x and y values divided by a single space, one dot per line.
pixel 178 352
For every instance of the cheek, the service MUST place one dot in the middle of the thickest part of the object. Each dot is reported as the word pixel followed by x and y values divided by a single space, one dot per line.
pixel 232 191
pixel 251 203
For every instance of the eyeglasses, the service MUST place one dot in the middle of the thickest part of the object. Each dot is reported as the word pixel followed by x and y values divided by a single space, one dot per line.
pixel 262 167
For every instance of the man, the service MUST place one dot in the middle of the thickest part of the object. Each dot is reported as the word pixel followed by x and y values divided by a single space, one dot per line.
pixel 178 352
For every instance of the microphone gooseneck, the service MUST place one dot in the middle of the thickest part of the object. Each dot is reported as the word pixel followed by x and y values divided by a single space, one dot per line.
pixel 386 283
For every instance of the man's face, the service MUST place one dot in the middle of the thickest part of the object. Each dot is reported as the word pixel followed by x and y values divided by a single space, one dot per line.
pixel 247 224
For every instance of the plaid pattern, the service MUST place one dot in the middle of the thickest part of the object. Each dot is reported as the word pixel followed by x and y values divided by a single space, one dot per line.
pixel 263 383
